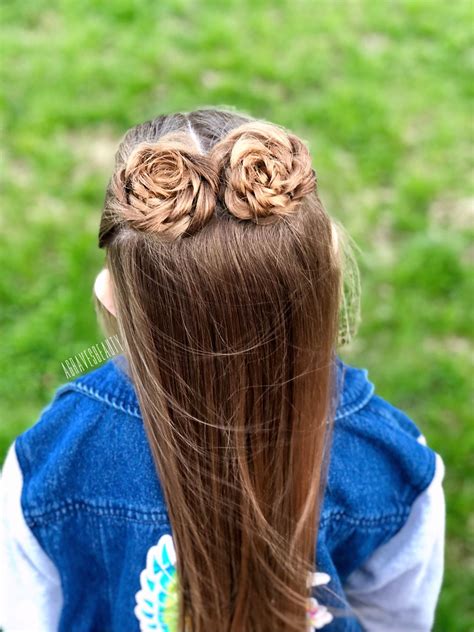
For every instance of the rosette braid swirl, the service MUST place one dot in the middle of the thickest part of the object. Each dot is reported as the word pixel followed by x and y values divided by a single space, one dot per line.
pixel 265 172
pixel 167 187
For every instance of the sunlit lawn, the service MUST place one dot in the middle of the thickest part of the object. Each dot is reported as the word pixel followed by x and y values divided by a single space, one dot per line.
pixel 382 91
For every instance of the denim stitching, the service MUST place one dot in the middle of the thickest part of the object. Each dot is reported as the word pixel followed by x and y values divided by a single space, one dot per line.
pixel 364 522
pixel 346 411
pixel 134 515
pixel 71 507
pixel 135 412
pixel 90 392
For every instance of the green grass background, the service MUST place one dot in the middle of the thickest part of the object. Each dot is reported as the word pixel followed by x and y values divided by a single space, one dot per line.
pixel 381 90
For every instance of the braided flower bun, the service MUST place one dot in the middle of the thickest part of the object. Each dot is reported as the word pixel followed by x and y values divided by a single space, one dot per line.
pixel 265 172
pixel 167 187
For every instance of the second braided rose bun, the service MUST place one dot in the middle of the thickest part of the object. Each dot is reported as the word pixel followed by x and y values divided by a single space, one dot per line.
pixel 258 172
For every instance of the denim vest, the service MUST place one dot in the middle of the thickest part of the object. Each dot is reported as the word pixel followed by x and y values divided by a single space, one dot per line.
pixel 92 498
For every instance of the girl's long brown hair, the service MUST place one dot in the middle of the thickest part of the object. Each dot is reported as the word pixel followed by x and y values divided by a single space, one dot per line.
pixel 227 288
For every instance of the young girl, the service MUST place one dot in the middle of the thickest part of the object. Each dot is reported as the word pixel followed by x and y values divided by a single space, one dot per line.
pixel 228 472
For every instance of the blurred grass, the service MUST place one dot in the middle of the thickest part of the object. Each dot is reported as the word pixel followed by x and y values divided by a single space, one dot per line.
pixel 383 93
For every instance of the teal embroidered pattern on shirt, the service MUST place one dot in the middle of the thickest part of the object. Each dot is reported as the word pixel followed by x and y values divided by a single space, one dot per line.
pixel 157 600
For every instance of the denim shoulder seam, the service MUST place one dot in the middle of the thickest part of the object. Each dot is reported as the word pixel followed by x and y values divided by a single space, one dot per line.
pixel 59 511
pixel 103 398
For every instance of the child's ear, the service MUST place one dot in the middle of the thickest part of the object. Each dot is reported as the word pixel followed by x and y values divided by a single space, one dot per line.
pixel 103 289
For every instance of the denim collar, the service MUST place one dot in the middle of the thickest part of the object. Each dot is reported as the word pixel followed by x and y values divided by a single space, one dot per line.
pixel 353 387
pixel 110 383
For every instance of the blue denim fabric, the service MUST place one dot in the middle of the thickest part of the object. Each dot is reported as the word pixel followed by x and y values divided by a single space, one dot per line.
pixel 92 498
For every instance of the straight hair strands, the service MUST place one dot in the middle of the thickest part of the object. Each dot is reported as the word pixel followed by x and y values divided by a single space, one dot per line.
pixel 227 277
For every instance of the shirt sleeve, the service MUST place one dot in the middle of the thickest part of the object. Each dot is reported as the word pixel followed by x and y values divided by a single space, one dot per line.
pixel 398 587
pixel 30 587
